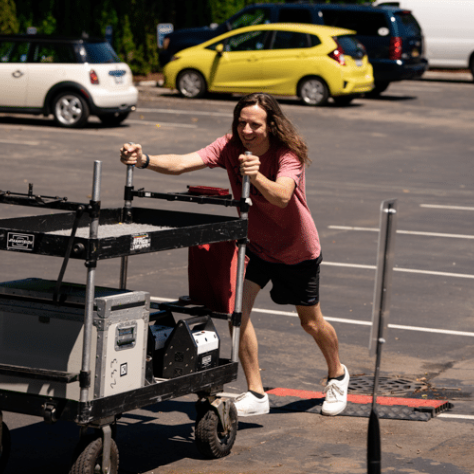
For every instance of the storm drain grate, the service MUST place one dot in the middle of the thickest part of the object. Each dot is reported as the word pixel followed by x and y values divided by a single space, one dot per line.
pixel 386 386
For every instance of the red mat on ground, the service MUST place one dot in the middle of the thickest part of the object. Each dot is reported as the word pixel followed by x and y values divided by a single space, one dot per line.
pixel 361 399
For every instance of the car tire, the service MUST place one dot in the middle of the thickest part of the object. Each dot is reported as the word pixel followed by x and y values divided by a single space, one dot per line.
pixel 313 91
pixel 380 86
pixel 70 110
pixel 191 84
pixel 113 119
pixel 471 65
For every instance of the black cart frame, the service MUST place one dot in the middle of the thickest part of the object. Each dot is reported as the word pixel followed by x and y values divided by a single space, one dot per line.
pixel 31 235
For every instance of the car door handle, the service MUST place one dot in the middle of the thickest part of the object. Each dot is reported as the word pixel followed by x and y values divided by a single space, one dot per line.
pixel 17 74
pixel 252 58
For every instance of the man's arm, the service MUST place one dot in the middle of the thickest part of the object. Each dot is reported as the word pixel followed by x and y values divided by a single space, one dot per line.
pixel 277 192
pixel 165 164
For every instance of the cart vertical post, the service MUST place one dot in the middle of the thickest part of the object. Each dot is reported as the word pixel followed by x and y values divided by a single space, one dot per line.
pixel 127 209
pixel 237 315
pixel 90 285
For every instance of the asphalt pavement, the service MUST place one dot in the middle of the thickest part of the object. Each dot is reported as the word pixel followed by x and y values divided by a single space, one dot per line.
pixel 426 421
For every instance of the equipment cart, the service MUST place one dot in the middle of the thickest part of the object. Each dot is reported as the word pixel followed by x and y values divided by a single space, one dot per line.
pixel 87 354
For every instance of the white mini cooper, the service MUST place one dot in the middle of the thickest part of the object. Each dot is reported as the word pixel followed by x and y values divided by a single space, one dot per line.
pixel 70 78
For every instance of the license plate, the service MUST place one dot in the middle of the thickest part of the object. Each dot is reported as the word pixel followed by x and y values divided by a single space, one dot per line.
pixel 118 79
pixel 359 62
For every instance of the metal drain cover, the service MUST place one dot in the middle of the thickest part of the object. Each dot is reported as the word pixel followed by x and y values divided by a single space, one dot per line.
pixel 386 385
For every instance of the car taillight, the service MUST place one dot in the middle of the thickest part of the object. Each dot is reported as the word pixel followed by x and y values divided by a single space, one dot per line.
pixel 338 54
pixel 93 77
pixel 395 48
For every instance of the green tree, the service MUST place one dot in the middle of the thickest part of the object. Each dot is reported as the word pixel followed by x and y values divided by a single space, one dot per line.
pixel 9 23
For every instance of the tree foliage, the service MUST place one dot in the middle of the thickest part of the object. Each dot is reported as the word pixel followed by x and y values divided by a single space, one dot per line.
pixel 133 22
pixel 8 19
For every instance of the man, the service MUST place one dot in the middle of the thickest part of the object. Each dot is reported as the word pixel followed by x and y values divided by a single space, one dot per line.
pixel 283 241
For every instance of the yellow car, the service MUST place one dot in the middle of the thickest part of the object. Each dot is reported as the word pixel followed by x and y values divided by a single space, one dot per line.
pixel 312 62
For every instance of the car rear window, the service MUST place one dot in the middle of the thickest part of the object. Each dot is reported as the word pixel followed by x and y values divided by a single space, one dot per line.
pixel 351 45
pixel 100 53
pixel 407 24
pixel 364 23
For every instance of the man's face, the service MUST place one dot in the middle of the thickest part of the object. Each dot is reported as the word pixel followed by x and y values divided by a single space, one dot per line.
pixel 253 131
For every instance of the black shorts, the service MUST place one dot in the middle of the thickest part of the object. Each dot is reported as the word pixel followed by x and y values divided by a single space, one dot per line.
pixel 292 284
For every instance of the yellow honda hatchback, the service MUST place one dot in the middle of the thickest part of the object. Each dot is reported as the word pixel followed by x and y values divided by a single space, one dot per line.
pixel 310 61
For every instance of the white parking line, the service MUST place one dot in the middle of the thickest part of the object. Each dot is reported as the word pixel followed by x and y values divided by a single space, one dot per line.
pixel 184 112
pixel 455 208
pixel 407 232
pixel 459 417
pixel 292 314
pixel 402 270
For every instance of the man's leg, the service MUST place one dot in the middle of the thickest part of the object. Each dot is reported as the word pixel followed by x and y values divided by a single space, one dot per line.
pixel 255 401
pixel 323 333
pixel 248 349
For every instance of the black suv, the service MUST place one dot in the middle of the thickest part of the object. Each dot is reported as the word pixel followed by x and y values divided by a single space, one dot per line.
pixel 391 35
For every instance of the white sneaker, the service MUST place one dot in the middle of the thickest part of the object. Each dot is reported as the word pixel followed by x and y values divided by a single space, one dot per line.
pixel 336 395
pixel 248 404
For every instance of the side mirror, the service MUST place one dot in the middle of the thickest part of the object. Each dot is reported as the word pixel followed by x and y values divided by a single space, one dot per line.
pixel 219 49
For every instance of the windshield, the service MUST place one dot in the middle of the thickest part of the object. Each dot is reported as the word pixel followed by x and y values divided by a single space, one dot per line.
pixel 255 16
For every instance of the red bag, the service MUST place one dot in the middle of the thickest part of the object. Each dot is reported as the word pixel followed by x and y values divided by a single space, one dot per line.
pixel 212 275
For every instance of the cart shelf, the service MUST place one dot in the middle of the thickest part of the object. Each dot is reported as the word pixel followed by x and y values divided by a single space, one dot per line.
pixel 165 230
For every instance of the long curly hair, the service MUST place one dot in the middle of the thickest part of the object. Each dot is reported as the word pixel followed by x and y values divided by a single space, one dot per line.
pixel 282 131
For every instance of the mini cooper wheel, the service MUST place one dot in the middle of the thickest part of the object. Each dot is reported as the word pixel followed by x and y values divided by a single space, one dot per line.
pixel 70 110
pixel 191 84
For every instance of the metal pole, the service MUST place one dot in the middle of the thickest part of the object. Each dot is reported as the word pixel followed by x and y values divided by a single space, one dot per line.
pixel 380 313
pixel 127 217
pixel 237 316
pixel 90 287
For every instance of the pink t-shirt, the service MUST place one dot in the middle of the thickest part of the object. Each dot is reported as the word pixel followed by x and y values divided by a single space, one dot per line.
pixel 277 235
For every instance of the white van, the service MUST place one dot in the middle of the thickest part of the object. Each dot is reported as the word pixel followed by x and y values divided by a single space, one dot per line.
pixel 448 28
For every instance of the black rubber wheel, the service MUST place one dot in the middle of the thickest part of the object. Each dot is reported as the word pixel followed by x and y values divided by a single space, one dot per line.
pixel 6 447
pixel 113 119
pixel 70 110
pixel 191 84
pixel 343 100
pixel 313 91
pixel 90 460
pixel 380 86
pixel 211 440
